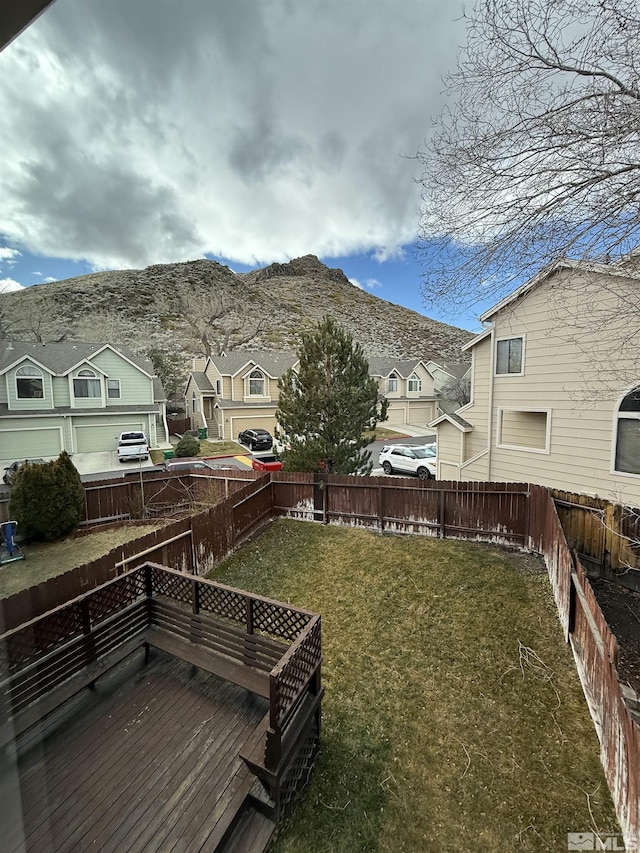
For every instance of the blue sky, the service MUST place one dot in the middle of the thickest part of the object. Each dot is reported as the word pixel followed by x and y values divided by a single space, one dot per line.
pixel 245 132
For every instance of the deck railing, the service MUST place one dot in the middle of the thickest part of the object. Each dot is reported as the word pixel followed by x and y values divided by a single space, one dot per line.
pixel 45 654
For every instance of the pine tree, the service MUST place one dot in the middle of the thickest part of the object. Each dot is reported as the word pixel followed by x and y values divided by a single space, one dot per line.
pixel 329 403
pixel 47 500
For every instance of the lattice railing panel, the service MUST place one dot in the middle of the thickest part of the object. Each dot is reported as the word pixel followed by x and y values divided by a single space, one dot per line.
pixel 302 765
pixel 116 596
pixel 226 603
pixel 173 586
pixel 296 670
pixel 278 620
pixel 27 644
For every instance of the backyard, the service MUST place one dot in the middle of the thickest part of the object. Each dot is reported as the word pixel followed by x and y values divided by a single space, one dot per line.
pixel 453 718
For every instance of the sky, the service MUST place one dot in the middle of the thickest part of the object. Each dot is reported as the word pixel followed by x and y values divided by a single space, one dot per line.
pixel 248 132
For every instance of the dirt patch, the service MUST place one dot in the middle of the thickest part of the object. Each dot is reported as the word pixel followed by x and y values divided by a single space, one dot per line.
pixel 621 607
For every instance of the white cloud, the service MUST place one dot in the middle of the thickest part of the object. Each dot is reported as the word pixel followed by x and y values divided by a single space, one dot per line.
pixel 50 278
pixel 356 283
pixel 8 256
pixel 254 131
pixel 9 284
pixel 36 273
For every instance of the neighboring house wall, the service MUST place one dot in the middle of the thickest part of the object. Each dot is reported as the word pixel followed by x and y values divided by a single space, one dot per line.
pixel 554 421
pixel 73 397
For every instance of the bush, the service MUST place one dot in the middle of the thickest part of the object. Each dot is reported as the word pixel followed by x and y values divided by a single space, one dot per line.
pixel 47 500
pixel 188 446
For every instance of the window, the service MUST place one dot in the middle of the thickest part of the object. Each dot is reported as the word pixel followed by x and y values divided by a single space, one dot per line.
pixel 509 356
pixel 628 434
pixel 523 429
pixel 218 387
pixel 415 383
pixel 86 384
pixel 29 383
pixel 256 383
pixel 392 382
pixel 113 389
pixel 194 403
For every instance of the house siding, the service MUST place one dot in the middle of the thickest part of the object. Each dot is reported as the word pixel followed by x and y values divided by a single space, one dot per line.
pixel 578 380
pixel 15 404
pixel 135 387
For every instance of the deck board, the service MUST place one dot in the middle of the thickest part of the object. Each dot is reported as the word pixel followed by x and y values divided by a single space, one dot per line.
pixel 153 765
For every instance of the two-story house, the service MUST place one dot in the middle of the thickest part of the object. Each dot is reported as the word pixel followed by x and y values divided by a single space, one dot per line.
pixel 229 393
pixel 76 397
pixel 555 392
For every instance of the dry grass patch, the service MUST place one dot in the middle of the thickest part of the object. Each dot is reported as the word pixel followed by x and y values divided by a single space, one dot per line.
pixel 44 560
pixel 453 717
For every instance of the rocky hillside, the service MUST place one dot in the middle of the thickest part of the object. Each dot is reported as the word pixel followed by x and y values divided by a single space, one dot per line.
pixel 193 307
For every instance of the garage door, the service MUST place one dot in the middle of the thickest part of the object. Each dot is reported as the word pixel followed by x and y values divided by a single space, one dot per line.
pixel 20 444
pixel 89 439
pixel 394 416
pixel 238 424
pixel 421 414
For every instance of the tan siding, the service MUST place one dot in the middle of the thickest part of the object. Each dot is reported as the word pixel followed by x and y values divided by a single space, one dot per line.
pixel 524 429
pixel 449 450
pixel 476 413
pixel 579 377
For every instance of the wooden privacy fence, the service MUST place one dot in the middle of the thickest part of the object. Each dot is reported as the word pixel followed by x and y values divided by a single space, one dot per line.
pixel 484 511
pixel 149 495
pixel 605 535
pixel 194 544
pixel 595 650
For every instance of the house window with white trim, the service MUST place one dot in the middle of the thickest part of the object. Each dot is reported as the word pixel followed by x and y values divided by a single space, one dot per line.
pixel 509 356
pixel 219 387
pixel 113 389
pixel 86 384
pixel 628 434
pixel 415 383
pixel 29 383
pixel 256 383
pixel 392 383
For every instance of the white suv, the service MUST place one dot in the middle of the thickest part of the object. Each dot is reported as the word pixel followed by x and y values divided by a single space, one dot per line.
pixel 406 459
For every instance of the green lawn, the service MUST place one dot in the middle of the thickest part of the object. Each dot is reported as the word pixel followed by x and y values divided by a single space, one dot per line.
pixel 453 718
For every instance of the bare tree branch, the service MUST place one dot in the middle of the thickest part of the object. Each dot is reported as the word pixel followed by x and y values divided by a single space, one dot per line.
pixel 539 157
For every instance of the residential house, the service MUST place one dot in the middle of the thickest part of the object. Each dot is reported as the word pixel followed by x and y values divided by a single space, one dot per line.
pixel 229 393
pixel 409 388
pixel 76 397
pixel 555 392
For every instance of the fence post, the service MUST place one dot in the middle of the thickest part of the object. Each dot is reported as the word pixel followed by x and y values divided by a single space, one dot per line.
pixel 381 508
pixel 250 602
pixel 441 511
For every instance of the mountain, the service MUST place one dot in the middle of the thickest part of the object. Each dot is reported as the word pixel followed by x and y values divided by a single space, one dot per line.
pixel 180 310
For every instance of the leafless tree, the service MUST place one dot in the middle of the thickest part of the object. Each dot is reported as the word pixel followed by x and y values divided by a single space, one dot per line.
pixel 457 389
pixel 539 155
pixel 215 320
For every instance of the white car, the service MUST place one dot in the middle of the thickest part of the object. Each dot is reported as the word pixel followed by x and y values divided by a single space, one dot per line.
pixel 406 459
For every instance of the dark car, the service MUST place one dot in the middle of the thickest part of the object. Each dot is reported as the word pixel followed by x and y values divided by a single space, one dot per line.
pixel 256 439
pixel 180 464
pixel 11 471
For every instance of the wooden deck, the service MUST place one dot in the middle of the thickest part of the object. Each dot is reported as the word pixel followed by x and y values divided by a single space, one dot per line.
pixel 157 712
pixel 152 765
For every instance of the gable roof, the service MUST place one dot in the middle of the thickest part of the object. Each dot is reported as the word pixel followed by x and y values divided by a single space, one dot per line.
pixel 456 420
pixel 201 381
pixel 618 270
pixel 60 358
pixel 381 366
pixel 274 364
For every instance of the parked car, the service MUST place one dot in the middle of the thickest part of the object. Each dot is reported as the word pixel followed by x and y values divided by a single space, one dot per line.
pixel 132 445
pixel 181 464
pixel 407 459
pixel 256 439
pixel 11 470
